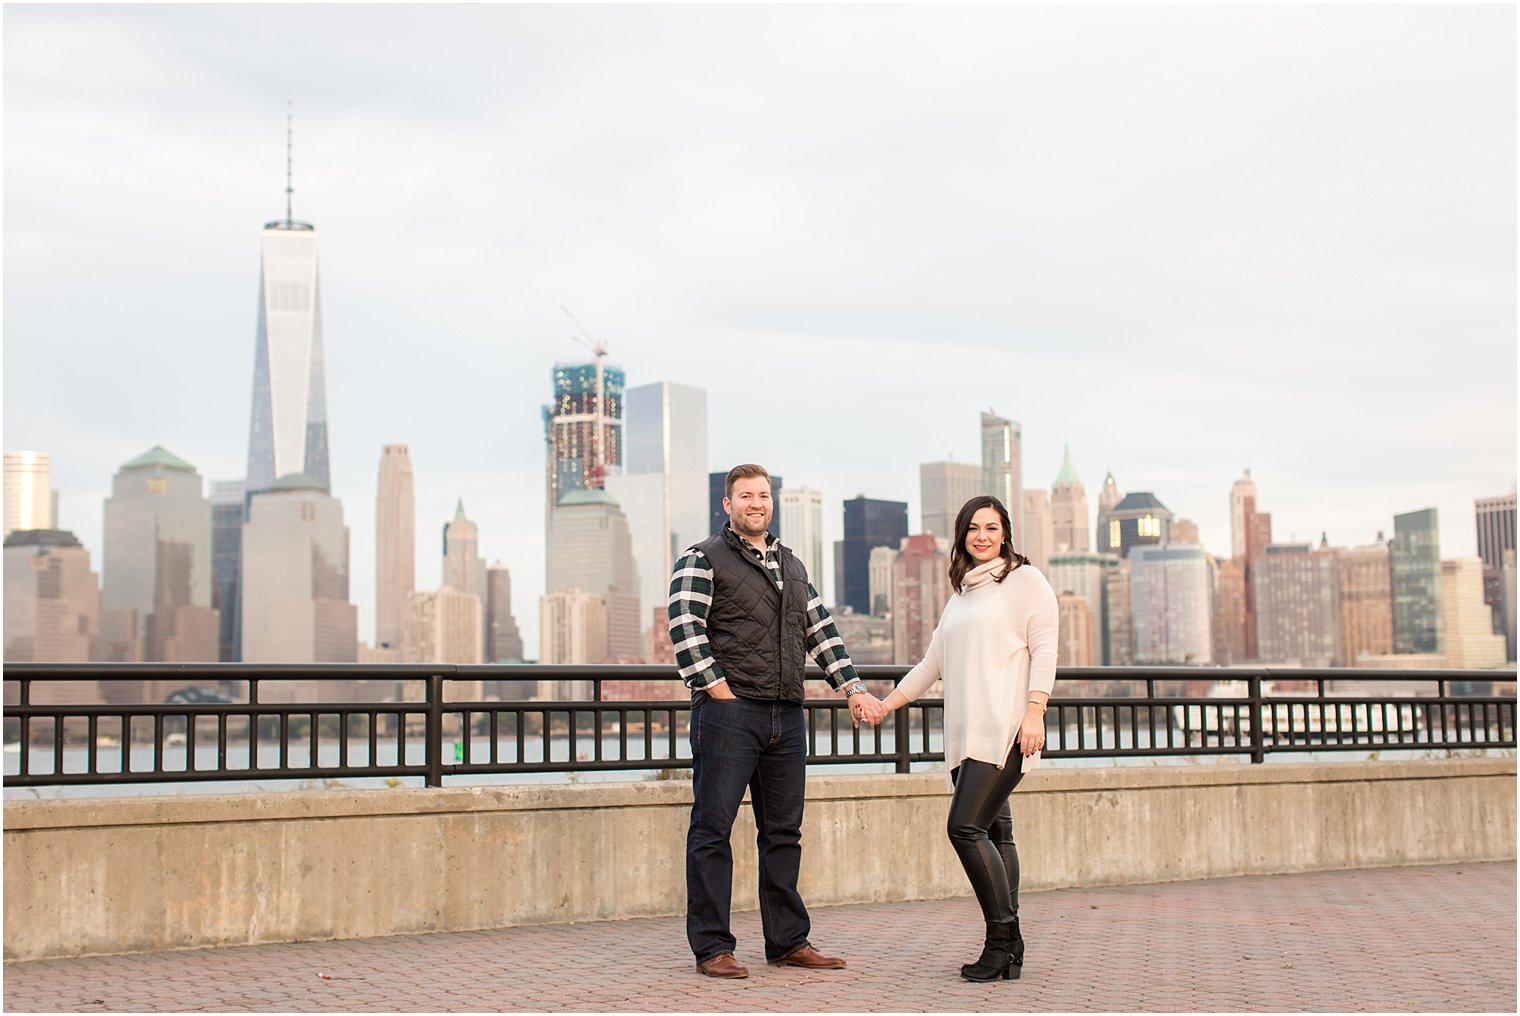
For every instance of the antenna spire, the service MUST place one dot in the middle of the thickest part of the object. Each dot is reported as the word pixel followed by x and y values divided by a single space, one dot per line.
pixel 289 144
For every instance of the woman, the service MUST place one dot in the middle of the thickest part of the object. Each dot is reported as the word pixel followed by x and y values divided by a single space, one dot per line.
pixel 995 648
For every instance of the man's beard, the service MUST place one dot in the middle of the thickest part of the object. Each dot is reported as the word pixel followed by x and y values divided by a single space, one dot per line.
pixel 745 526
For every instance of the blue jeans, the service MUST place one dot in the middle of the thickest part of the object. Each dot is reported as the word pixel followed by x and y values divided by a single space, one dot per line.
pixel 763 746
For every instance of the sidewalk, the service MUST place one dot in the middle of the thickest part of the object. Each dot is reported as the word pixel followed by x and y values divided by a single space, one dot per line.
pixel 1435 939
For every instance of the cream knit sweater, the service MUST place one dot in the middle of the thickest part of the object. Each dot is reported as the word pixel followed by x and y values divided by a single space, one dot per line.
pixel 995 643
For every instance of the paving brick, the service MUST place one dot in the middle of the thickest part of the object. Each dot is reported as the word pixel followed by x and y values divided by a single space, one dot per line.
pixel 1436 939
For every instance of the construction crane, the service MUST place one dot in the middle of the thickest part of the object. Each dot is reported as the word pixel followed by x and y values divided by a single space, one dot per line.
pixel 599 416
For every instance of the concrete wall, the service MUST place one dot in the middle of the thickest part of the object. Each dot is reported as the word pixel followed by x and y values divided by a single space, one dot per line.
pixel 137 874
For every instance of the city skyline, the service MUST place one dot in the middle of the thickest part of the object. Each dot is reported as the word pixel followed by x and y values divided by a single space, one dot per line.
pixel 1351 404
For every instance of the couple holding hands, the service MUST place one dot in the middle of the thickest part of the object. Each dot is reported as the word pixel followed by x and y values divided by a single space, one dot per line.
pixel 744 619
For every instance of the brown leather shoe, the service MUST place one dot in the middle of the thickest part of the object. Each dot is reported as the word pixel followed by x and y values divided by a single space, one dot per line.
pixel 811 958
pixel 722 965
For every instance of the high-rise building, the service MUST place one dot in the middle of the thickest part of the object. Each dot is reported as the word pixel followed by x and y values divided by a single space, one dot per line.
pixel 442 626
pixel 1241 490
pixel 1415 565
pixel 583 428
pixel 464 569
pixel 1118 616
pixel 503 639
pixel 572 627
pixel 52 602
pixel 942 488
pixel 1085 574
pixel 1002 468
pixel 1366 601
pixel 920 589
pixel 228 505
pixel 1230 612
pixel 591 552
pixel 1299 618
pixel 1495 518
pixel 1039 529
pixel 157 566
pixel 1170 603
pixel 879 569
pixel 868 523
pixel 1068 509
pixel 28 491
pixel 1258 529
pixel 1109 497
pixel 295 577
pixel 717 518
pixel 663 486
pixel 287 433
pixel 395 546
pixel 1468 622
pixel 1140 520
pixel 1078 642
pixel 1184 531
pixel 802 518
pixel 1507 587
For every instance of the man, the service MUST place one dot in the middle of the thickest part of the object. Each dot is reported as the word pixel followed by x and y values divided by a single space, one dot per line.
pixel 743 620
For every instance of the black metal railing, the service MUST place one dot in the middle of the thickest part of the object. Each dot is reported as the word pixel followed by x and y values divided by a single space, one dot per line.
pixel 87 724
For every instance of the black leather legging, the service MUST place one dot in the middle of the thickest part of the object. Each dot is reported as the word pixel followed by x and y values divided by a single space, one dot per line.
pixel 981 831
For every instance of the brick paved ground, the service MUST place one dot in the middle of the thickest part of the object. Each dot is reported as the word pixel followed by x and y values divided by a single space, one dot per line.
pixel 1436 939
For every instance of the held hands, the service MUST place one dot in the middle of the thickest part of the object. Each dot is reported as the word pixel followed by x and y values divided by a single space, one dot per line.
pixel 868 708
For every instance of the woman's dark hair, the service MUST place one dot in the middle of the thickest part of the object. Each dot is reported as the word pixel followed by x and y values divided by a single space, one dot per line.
pixel 960 559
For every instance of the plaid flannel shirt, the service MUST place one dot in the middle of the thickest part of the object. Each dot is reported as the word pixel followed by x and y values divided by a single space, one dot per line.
pixel 691 586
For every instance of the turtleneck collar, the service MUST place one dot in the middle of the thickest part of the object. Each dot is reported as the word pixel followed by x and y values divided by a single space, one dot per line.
pixel 983 574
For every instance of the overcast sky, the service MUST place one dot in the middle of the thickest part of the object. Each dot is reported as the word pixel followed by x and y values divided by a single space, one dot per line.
pixel 1187 239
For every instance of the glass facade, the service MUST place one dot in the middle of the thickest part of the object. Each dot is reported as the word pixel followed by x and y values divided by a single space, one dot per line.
pixel 585 437
pixel 288 429
pixel 1171 605
pixel 868 524
pixel 1415 562
pixel 227 499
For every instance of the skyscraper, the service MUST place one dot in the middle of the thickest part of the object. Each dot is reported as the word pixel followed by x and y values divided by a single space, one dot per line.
pixel 942 488
pixel 395 545
pixel 503 639
pixel 443 626
pixel 288 430
pixel 1078 642
pixel 1085 574
pixel 1068 509
pixel 1495 519
pixel 1171 603
pixel 868 523
pixel 1230 612
pixel 591 553
pixel 1002 468
pixel 920 590
pixel 28 491
pixel 1366 601
pixel 228 505
pixel 662 490
pixel 1468 622
pixel 464 570
pixel 295 578
pixel 1039 531
pixel 1415 560
pixel 583 428
pixel 1241 490
pixel 52 602
pixel 1108 499
pixel 157 565
pixel 1296 602
pixel 1140 520
pixel 802 517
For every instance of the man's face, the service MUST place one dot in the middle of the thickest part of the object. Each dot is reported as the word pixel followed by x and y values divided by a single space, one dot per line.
pixel 749 506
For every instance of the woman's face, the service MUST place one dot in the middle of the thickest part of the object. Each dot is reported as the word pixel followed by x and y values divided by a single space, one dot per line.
pixel 984 540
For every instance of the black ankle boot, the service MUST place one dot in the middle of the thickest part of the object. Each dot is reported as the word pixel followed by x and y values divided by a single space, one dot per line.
pixel 1018 948
pixel 996 962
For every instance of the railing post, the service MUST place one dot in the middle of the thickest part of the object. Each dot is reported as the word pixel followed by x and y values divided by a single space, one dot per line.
pixel 1258 738
pixel 900 735
pixel 433 742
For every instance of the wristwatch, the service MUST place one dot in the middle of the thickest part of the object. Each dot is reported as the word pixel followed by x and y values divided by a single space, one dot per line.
pixel 857 686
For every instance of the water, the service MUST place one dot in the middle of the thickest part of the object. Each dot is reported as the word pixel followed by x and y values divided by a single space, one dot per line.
pixel 141 758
